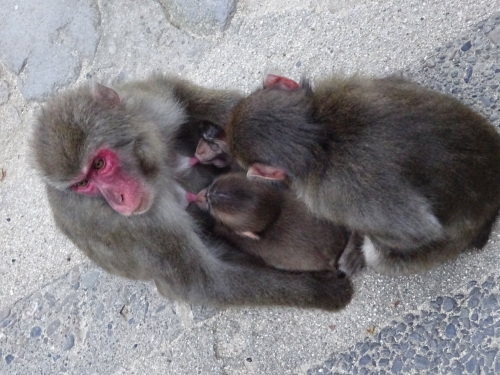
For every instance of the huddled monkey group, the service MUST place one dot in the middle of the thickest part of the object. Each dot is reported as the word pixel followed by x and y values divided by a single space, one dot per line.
pixel 275 198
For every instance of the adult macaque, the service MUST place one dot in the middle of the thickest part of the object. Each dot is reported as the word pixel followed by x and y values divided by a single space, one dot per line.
pixel 271 224
pixel 414 171
pixel 109 158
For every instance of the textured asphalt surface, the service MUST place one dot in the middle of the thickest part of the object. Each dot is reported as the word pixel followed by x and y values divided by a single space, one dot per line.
pixel 61 314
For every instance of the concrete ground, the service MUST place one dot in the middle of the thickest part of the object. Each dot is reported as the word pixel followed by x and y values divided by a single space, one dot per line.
pixel 61 314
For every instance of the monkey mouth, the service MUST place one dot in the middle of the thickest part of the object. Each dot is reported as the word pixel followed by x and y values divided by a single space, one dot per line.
pixel 143 206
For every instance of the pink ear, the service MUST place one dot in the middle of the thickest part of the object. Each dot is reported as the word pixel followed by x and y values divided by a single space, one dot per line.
pixel 106 95
pixel 266 171
pixel 273 81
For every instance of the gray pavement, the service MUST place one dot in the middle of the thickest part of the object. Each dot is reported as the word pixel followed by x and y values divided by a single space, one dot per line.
pixel 61 314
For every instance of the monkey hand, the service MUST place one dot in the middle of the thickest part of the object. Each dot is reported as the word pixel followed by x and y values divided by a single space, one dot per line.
pixel 333 290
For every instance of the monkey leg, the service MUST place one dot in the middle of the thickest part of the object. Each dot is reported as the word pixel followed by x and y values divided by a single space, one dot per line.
pixel 352 259
pixel 391 261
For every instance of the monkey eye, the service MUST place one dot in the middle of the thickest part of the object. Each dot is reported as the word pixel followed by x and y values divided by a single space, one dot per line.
pixel 82 184
pixel 98 164
pixel 213 146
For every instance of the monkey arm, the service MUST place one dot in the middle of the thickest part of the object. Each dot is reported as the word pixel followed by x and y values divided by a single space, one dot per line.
pixel 240 282
pixel 165 249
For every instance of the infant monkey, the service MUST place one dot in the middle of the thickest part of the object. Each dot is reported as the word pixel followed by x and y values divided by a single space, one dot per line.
pixel 212 147
pixel 270 223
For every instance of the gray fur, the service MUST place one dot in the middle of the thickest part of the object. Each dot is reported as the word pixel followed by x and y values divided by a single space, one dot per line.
pixel 163 244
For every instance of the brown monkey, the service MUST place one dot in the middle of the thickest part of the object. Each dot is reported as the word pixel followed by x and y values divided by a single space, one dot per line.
pixel 194 174
pixel 271 223
pixel 414 171
pixel 109 158
pixel 212 148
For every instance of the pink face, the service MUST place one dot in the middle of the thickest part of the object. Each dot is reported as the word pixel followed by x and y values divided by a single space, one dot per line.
pixel 102 176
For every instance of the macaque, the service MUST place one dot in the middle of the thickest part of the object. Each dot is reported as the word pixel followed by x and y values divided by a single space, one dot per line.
pixel 193 174
pixel 414 173
pixel 109 159
pixel 212 148
pixel 271 223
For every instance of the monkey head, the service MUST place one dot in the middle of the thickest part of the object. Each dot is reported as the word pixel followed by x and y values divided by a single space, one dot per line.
pixel 212 147
pixel 272 132
pixel 91 142
pixel 245 206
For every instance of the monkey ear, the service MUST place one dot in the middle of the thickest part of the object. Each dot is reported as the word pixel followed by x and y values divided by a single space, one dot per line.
pixel 282 83
pixel 249 234
pixel 105 95
pixel 266 171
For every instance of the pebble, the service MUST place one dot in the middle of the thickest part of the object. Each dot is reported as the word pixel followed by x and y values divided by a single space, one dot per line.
pixel 467 45
pixel 35 332
pixel 69 342
pixel 9 358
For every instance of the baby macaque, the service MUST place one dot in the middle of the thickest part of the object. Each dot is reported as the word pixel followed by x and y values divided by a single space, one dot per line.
pixel 415 172
pixel 212 148
pixel 270 223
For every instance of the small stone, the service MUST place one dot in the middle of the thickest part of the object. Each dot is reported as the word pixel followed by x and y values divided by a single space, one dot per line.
pixel 363 361
pixel 490 356
pixel 408 318
pixel 9 358
pixel 69 342
pixel 415 337
pixel 491 301
pixel 421 362
pixel 450 331
pixel 410 353
pixel 488 284
pixel 467 45
pixel 477 338
pixel 471 365
pixel 397 365
pixel 298 64
pixel 485 101
pixel 52 327
pixel 449 304
pixel 468 74
pixel 383 362
pixel 35 332
pixel 364 348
